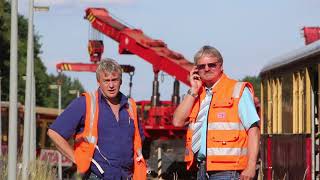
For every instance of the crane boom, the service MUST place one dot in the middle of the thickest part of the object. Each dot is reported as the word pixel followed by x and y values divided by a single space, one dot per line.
pixel 134 41
pixel 84 67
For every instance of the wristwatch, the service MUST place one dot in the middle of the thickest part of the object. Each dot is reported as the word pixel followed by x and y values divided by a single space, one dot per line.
pixel 192 94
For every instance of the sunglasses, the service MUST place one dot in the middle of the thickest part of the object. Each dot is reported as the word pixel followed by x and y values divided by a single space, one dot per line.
pixel 210 65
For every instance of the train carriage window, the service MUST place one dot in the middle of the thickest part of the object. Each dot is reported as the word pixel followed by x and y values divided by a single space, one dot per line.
pixel 299 108
pixel 309 89
pixel 275 109
pixel 276 104
pixel 287 103
pixel 264 102
pixel 269 107
pixel 302 99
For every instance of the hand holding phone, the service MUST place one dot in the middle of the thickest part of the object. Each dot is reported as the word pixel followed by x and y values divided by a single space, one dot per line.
pixel 195 79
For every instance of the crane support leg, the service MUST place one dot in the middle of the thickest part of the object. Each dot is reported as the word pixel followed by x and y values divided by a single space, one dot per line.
pixel 155 89
pixel 176 91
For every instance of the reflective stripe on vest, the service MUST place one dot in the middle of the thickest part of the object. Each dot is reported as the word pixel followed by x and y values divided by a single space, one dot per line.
pixel 221 125
pixel 90 138
pixel 227 126
pixel 86 141
pixel 237 90
pixel 133 116
pixel 139 167
pixel 226 151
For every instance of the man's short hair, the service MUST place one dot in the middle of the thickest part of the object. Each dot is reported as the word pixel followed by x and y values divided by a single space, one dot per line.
pixel 207 51
pixel 108 65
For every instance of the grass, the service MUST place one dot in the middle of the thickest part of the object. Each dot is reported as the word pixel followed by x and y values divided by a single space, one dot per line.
pixel 38 170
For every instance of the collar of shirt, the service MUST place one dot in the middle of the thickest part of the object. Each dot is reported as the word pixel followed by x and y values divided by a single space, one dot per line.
pixel 123 98
pixel 209 89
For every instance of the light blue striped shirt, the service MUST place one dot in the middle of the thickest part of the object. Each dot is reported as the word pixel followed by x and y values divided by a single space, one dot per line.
pixel 247 113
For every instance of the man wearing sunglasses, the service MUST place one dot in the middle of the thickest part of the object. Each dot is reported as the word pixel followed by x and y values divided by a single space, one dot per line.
pixel 223 134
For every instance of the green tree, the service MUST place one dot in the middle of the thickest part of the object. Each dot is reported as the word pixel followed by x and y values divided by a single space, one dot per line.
pixel 67 84
pixel 43 80
pixel 255 81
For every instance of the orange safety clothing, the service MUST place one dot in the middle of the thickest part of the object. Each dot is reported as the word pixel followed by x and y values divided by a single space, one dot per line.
pixel 86 141
pixel 226 146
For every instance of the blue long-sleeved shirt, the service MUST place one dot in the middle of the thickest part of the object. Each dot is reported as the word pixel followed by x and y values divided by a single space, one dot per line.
pixel 115 138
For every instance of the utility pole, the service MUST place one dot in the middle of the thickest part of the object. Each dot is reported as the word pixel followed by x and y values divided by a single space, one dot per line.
pixel 13 113
pixel 33 123
pixel 29 133
pixel 75 91
pixel 59 154
pixel 58 87
pixel 28 97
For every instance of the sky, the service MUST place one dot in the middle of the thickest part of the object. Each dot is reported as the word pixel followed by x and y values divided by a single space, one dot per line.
pixel 248 33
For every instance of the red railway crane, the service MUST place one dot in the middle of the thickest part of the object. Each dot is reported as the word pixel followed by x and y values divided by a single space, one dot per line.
pixel 134 41
pixel 155 115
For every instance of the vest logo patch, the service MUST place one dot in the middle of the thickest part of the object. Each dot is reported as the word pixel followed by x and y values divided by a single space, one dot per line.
pixel 221 115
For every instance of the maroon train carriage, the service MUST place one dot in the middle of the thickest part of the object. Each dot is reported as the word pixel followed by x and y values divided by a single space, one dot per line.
pixel 290 107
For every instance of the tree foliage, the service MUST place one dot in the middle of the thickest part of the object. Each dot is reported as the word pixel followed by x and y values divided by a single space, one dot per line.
pixel 44 96
pixel 67 85
pixel 255 81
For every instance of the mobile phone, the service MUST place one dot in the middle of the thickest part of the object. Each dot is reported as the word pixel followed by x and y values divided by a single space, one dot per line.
pixel 197 73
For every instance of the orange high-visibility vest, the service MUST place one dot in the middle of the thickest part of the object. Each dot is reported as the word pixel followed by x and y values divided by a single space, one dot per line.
pixel 226 136
pixel 86 141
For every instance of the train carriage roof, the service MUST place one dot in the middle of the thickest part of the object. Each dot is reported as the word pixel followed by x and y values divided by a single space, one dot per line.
pixel 301 54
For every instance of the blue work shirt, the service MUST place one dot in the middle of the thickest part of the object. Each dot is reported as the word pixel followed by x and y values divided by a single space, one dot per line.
pixel 115 138
pixel 247 113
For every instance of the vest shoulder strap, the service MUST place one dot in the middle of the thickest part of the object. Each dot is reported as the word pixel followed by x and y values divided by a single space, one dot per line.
pixel 238 89
pixel 132 108
pixel 91 113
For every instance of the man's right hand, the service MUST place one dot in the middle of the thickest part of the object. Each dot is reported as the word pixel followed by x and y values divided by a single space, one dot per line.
pixel 195 80
pixel 62 145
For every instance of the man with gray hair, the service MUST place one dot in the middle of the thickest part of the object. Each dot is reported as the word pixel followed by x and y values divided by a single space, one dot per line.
pixel 107 134
pixel 223 134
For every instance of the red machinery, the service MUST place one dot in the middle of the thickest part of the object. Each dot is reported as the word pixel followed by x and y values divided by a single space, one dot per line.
pixel 136 42
pixel 311 34
pixel 155 115
pixel 95 49
pixel 84 67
